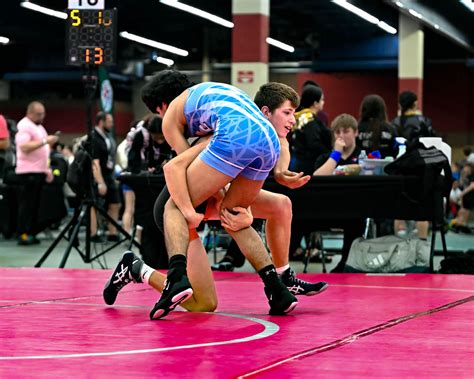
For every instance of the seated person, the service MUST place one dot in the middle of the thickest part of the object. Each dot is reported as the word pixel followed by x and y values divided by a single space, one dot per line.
pixel 346 152
pixel 375 133
pixel 466 185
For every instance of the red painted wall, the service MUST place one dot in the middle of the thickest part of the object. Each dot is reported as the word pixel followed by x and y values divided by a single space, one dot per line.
pixel 344 92
pixel 448 97
pixel 69 118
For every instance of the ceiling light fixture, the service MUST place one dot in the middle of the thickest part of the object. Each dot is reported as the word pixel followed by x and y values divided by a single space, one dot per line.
pixel 469 4
pixel 39 8
pixel 399 4
pixel 4 40
pixel 366 16
pixel 415 13
pixel 166 61
pixel 281 45
pixel 386 27
pixel 198 12
pixel 158 45
pixel 359 12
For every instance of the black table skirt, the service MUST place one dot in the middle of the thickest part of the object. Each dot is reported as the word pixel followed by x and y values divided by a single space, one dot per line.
pixel 326 198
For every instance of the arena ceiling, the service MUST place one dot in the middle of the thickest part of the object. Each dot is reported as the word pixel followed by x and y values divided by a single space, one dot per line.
pixel 311 26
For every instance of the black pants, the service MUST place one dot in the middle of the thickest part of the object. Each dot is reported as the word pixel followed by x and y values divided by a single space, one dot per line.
pixel 29 195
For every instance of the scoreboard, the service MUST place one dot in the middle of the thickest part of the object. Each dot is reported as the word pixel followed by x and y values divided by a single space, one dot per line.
pixel 91 37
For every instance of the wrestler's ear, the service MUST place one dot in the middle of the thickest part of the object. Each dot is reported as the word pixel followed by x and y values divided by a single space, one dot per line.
pixel 161 109
pixel 266 111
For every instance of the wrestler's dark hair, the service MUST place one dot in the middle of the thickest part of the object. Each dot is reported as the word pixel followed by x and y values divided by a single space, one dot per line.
pixel 273 95
pixel 164 87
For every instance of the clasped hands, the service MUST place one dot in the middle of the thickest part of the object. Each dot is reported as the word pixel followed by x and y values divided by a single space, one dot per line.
pixel 239 218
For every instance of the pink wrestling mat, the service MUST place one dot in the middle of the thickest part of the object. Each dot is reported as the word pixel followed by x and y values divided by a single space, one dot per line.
pixel 53 323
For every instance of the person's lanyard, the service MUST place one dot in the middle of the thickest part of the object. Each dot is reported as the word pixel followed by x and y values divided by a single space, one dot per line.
pixel 108 143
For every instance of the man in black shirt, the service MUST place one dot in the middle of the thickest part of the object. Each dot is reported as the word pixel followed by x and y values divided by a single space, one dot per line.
pixel 103 164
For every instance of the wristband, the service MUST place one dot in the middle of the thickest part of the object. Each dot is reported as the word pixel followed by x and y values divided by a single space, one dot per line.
pixel 44 141
pixel 336 155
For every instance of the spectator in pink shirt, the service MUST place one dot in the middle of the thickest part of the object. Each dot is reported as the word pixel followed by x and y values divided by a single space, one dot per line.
pixel 4 135
pixel 32 169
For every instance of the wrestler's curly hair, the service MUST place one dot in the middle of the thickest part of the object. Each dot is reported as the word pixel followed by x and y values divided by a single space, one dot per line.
pixel 274 94
pixel 164 87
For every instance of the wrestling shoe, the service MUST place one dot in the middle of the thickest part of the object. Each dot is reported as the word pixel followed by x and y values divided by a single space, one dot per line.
pixel 173 295
pixel 281 300
pixel 127 270
pixel 300 287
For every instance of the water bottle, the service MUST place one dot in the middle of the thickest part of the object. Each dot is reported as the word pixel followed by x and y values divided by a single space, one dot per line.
pixel 402 148
pixel 361 159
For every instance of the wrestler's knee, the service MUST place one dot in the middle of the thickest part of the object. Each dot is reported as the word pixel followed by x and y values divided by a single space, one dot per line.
pixel 282 206
pixel 206 304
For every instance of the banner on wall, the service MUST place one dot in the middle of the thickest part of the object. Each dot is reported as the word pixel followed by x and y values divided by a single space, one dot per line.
pixel 106 91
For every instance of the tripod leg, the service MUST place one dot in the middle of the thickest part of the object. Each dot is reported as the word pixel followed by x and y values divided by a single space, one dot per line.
pixel 118 226
pixel 56 241
pixel 73 237
pixel 432 247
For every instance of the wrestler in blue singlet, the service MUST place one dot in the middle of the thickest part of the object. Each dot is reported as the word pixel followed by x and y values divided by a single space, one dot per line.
pixel 244 141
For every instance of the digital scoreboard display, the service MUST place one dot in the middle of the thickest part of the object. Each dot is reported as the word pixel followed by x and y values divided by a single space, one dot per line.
pixel 91 37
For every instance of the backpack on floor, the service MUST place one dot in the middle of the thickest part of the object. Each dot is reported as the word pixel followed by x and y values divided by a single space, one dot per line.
pixel 388 254
pixel 458 264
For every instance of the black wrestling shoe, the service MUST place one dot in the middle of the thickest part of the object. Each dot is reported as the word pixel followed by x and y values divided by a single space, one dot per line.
pixel 173 295
pixel 300 287
pixel 281 300
pixel 127 270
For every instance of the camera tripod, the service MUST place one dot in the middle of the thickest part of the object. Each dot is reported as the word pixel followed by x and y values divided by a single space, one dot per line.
pixel 70 232
pixel 88 199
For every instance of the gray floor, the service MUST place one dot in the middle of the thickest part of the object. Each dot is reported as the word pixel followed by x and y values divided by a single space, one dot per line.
pixel 12 255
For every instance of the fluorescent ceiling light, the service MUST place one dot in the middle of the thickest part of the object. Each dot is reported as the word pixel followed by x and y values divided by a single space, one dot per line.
pixel 436 26
pixel 387 28
pixel 359 12
pixel 158 45
pixel 280 45
pixel 366 16
pixel 469 4
pixel 133 37
pixel 39 8
pixel 399 4
pixel 415 13
pixel 4 40
pixel 198 12
pixel 166 61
